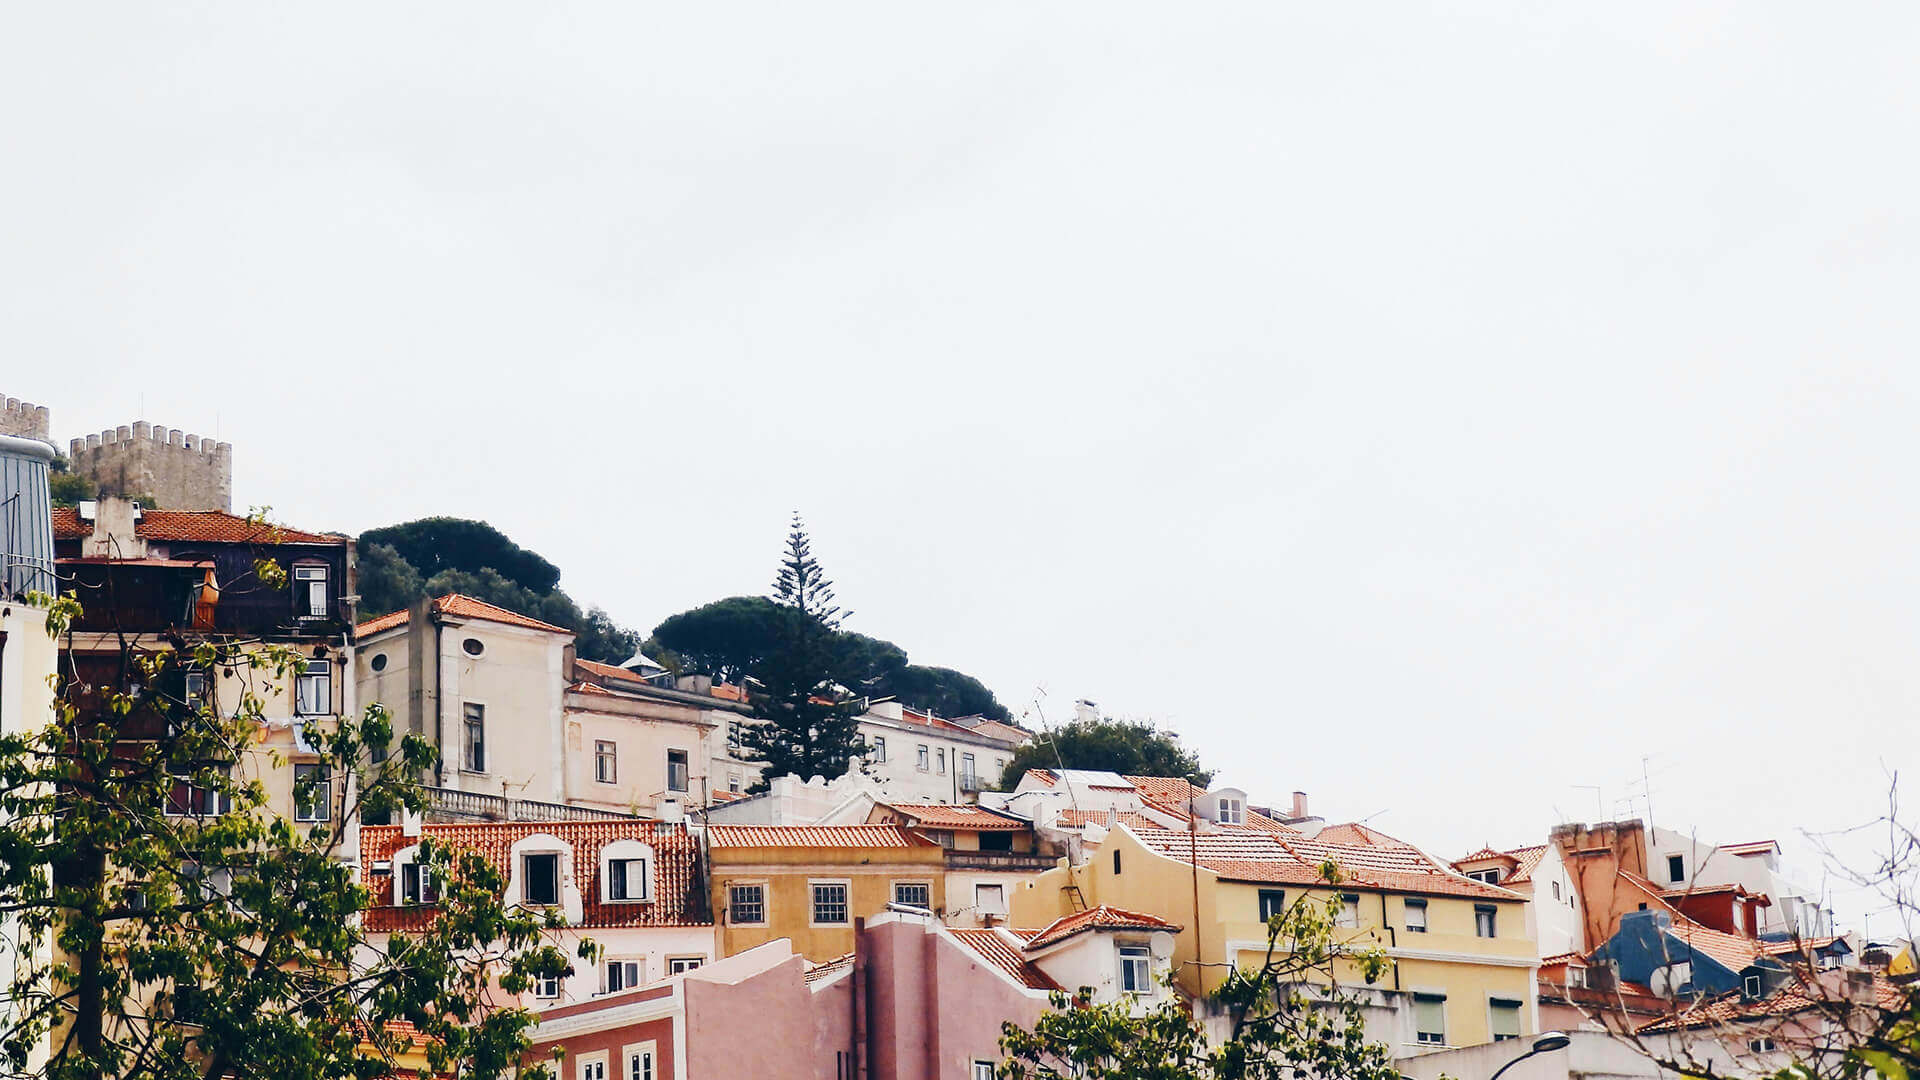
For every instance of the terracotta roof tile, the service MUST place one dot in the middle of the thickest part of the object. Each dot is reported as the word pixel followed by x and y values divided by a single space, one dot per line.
pixel 998 952
pixel 206 526
pixel 816 836
pixel 1076 819
pixel 827 969
pixel 1098 918
pixel 964 818
pixel 677 899
pixel 461 606
pixel 1751 847
pixel 1172 795
pixel 1786 1001
pixel 1255 856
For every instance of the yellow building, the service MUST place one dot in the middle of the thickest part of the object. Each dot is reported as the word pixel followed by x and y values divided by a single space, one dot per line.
pixel 809 883
pixel 1459 953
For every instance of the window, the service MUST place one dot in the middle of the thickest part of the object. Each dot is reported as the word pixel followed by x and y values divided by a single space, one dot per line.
pixel 417 884
pixel 940 761
pixel 379 662
pixel 913 894
pixel 983 1070
pixel 1349 910
pixel 1136 970
pixel 312 792
pixel 540 879
pixel 966 768
pixel 920 758
pixel 313 692
pixel 1576 976
pixel 1231 812
pixel 676 770
pixel 1505 1015
pixel 473 646
pixel 990 899
pixel 593 1070
pixel 627 879
pixel 733 783
pixel 677 965
pixel 310 591
pixel 1272 902
pixel 996 841
pixel 1676 868
pixel 1416 916
pixel 746 904
pixel 1116 862
pixel 1761 1045
pixel 829 903
pixel 1491 877
pixel 197 690
pixel 1430 1019
pixel 736 737
pixel 1556 890
pixel 1483 925
pixel 547 987
pixel 1751 985
pixel 943 837
pixel 879 748
pixel 623 974
pixel 188 799
pixel 474 717
pixel 640 1065
pixel 603 761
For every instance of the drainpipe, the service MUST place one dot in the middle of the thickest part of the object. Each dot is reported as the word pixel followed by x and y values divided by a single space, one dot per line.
pixel 439 704
pixel 1393 939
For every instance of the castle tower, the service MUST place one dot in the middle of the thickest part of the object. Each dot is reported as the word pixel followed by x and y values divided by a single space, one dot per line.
pixel 24 420
pixel 177 470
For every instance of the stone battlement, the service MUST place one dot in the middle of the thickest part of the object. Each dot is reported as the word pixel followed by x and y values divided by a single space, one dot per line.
pixel 24 419
pixel 180 471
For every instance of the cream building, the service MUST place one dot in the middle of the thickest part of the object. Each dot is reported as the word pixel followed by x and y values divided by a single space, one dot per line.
pixel 913 756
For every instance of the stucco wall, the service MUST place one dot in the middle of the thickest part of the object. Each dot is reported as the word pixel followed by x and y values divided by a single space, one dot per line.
pixel 789 896
pixel 936 1007
pixel 641 743
pixel 518 679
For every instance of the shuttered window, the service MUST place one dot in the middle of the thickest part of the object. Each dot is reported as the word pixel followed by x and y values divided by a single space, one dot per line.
pixel 1430 1018
pixel 1506 1019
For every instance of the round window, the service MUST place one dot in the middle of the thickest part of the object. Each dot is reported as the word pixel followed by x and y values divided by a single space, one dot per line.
pixel 474 646
pixel 379 662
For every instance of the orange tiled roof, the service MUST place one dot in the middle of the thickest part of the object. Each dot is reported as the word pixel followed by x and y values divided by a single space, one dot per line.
pixel 1098 918
pixel 1173 794
pixel 1045 776
pixel 1524 860
pixel 728 692
pixel 1802 947
pixel 608 671
pixel 962 817
pixel 1079 819
pixel 998 952
pixel 461 606
pixel 1786 1001
pixel 815 836
pixel 1730 950
pixel 206 526
pixel 1751 847
pixel 1247 855
pixel 677 900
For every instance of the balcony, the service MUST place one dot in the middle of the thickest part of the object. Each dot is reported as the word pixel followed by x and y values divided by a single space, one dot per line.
pixel 1009 861
pixel 972 782
pixel 448 804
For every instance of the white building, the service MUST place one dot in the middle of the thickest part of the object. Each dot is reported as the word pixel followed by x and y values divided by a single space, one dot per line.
pixel 917 757
pixel 1678 861
pixel 1554 918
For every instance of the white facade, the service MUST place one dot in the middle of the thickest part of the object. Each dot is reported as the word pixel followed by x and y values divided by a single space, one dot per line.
pixel 1678 861
pixel 915 758
pixel 1553 915
pixel 27 661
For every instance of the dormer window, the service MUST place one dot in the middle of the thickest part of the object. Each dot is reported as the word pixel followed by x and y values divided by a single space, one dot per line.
pixel 1136 970
pixel 310 591
pixel 416 885
pixel 626 872
pixel 540 879
pixel 1232 812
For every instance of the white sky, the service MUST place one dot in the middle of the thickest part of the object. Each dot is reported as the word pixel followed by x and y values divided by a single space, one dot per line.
pixel 1435 410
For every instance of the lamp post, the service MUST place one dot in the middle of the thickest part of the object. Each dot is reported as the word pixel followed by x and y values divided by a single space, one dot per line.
pixel 1546 1043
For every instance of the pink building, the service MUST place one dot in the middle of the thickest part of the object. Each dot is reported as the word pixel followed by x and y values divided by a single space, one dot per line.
pixel 914 1001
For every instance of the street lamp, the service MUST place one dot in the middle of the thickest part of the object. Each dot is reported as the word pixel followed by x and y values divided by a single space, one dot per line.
pixel 1546 1043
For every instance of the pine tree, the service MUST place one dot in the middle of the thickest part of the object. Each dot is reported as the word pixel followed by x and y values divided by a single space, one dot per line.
pixel 806 729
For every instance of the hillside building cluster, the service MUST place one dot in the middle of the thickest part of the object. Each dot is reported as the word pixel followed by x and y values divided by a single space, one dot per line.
pixel 885 923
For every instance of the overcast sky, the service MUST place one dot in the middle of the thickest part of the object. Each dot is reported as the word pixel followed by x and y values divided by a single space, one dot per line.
pixel 1433 410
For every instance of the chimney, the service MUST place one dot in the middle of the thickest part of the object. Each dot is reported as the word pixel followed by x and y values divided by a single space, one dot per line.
pixel 1300 805
pixel 1085 712
pixel 1111 815
pixel 669 810
pixel 114 534
pixel 410 824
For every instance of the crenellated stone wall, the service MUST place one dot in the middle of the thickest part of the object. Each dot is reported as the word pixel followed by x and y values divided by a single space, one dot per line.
pixel 24 420
pixel 178 470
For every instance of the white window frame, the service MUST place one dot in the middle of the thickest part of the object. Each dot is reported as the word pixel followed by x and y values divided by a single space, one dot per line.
pixel 636 965
pixel 526 879
pixel 1280 902
pixel 1349 917
pixel 642 1060
pixel 1415 925
pixel 923 755
pixel 606 761
pixel 813 901
pixel 1232 811
pixel 1676 869
pixel 1492 915
pixel 680 965
pixel 314 575
pixel 593 1066
pixel 982 1070
pixel 201 801
pixel 1519 1018
pixel 314 682
pixel 879 745
pixel 968 769
pixel 1420 1037
pixel 984 909
pixel 940 761
pixel 686 770
pixel 320 802
pixel 547 987
pixel 425 891
pixel 919 883
pixel 473 718
pixel 762 902
pixel 626 851
pixel 1751 985
pixel 1135 961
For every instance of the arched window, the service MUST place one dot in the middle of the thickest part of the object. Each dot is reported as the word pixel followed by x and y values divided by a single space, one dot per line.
pixel 626 872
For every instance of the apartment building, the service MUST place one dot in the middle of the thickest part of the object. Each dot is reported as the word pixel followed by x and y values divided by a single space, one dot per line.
pixel 809 884
pixel 914 756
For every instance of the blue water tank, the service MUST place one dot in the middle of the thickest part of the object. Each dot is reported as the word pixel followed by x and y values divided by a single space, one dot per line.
pixel 26 518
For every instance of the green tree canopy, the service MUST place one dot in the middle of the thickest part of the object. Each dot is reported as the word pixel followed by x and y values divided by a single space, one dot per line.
pixel 435 544
pixel 1128 747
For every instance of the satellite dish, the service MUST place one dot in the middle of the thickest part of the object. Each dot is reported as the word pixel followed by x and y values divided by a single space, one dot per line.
pixel 1661 981
pixel 1160 944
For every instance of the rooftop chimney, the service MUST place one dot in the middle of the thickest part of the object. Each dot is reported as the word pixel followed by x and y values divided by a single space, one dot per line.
pixel 1086 712
pixel 409 823
pixel 1300 805
pixel 669 810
